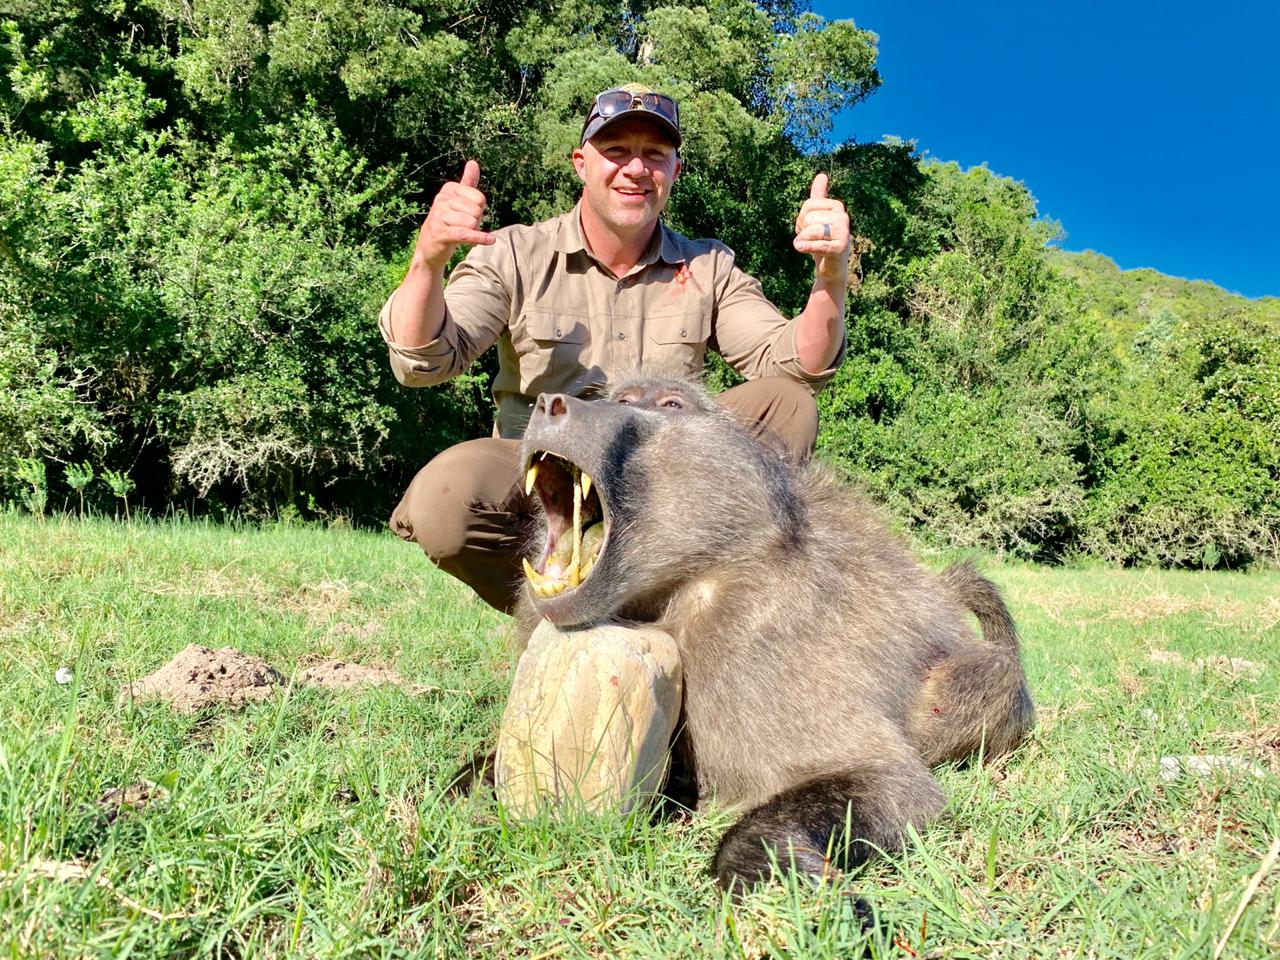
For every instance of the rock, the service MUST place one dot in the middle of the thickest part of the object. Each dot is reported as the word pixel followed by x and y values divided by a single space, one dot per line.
pixel 589 718
pixel 1206 765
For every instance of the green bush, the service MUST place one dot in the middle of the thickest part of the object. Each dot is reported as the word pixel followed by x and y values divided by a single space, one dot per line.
pixel 46 410
pixel 1186 460
pixel 217 305
pixel 960 404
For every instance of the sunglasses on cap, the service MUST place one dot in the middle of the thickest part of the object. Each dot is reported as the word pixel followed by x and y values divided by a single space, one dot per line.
pixel 613 102
pixel 618 103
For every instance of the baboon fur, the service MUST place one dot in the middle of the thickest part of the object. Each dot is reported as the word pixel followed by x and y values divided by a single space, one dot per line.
pixel 825 670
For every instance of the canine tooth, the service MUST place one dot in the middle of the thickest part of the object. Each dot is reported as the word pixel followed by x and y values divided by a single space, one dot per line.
pixel 586 484
pixel 529 572
pixel 575 564
pixel 530 476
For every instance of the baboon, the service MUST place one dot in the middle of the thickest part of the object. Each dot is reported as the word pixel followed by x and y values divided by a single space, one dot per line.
pixel 825 670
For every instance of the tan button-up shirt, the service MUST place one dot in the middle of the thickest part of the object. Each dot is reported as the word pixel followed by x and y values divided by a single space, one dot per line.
pixel 564 322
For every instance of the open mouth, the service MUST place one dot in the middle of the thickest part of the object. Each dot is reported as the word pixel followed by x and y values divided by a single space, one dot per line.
pixel 577 524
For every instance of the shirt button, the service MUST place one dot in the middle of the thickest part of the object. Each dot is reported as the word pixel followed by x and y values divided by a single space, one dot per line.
pixel 621 335
pixel 682 334
pixel 558 332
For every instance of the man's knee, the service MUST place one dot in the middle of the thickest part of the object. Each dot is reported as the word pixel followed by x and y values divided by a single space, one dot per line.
pixel 436 511
pixel 798 407
pixel 779 410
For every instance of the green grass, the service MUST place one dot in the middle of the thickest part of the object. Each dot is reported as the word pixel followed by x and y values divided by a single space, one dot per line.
pixel 312 823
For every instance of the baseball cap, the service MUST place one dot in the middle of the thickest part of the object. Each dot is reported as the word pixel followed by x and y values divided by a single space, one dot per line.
pixel 629 101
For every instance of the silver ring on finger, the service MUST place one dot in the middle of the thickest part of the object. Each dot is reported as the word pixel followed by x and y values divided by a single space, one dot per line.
pixel 826 231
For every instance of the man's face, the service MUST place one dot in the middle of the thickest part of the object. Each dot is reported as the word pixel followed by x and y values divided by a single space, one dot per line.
pixel 627 171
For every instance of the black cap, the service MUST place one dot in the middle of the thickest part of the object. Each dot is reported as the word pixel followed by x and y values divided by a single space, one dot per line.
pixel 645 103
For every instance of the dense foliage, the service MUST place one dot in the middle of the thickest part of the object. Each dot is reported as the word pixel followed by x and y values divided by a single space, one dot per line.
pixel 1184 454
pixel 206 202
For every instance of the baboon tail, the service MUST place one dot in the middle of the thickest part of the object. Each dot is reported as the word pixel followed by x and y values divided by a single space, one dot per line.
pixel 976 698
pixel 980 596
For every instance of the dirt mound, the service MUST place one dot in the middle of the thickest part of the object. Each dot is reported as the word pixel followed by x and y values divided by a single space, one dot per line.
pixel 198 677
pixel 340 675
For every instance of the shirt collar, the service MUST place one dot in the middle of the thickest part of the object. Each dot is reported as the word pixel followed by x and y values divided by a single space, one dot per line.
pixel 570 239
pixel 669 248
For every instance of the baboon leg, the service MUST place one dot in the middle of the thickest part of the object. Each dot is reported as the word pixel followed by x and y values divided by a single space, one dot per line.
pixel 976 700
pixel 838 820
pixel 475 773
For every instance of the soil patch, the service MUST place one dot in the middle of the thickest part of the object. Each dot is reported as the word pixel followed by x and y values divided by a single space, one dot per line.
pixel 198 677
pixel 341 675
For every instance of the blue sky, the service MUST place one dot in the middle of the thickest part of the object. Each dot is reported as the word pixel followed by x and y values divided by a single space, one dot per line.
pixel 1151 131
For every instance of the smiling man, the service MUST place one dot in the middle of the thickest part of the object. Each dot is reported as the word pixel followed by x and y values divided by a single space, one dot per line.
pixel 576 301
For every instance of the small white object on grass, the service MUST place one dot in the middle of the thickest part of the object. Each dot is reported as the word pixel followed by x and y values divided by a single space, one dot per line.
pixel 64 675
pixel 1204 765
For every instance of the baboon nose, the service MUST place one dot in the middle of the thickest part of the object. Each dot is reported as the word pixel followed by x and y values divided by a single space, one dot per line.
pixel 551 405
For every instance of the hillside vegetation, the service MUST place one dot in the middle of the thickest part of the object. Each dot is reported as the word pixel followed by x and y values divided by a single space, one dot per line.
pixel 205 204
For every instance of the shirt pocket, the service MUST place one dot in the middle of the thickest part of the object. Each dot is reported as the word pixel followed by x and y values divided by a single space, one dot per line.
pixel 552 348
pixel 675 343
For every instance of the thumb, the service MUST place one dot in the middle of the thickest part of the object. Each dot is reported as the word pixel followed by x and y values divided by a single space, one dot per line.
pixel 818 189
pixel 470 174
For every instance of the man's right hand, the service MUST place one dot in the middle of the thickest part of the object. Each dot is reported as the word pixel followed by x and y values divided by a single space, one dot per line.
pixel 418 307
pixel 454 219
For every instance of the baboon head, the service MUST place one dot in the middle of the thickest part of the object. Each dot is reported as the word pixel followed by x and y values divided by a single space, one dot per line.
pixel 641 490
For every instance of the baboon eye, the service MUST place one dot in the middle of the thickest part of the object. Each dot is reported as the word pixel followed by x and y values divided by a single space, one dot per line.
pixel 626 400
pixel 673 403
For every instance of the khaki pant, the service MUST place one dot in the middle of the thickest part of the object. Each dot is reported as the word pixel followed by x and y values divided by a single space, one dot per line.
pixel 468 511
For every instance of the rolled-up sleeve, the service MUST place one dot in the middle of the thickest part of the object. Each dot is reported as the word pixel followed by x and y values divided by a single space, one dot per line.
pixel 755 339
pixel 477 310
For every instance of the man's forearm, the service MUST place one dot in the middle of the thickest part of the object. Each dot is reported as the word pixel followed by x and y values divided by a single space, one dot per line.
pixel 417 310
pixel 820 326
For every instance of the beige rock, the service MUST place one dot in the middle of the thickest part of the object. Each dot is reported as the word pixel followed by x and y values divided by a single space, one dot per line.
pixel 589 718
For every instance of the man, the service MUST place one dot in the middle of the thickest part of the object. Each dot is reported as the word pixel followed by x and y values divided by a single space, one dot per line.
pixel 574 301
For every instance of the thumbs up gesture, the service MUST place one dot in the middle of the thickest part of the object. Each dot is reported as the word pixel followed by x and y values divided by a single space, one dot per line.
pixel 822 230
pixel 454 219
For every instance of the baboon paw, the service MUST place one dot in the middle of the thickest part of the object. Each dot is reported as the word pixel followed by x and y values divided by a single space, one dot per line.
pixel 744 860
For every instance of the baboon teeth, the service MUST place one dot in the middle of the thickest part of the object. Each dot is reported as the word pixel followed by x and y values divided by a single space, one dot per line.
pixel 564 570
pixel 575 541
pixel 531 477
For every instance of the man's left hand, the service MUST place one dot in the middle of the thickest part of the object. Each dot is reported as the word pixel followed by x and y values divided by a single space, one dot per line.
pixel 822 231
